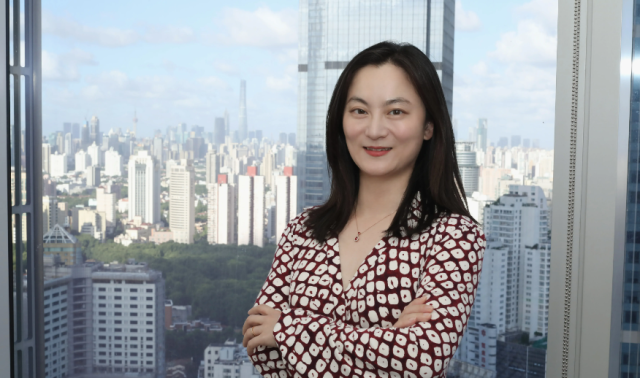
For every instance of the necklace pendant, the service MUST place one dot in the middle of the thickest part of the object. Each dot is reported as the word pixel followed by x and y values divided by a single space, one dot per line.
pixel 357 238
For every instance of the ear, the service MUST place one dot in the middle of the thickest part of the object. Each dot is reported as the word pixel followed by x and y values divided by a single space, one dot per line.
pixel 428 131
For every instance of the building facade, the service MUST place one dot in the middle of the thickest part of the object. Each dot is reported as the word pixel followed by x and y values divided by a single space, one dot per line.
pixel 144 188
pixel 182 202
pixel 251 216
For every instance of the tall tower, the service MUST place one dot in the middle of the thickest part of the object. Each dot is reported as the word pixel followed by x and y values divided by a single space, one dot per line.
pixel 242 121
pixel 481 134
pixel 144 187
pixel 182 202
pixel 94 131
pixel 428 25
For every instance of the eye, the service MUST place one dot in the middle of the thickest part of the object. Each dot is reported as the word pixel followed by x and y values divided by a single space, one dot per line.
pixel 359 111
pixel 397 111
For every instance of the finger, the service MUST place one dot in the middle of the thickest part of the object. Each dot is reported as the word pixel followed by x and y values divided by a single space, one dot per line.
pixel 250 334
pixel 262 309
pixel 253 344
pixel 407 322
pixel 417 308
pixel 252 320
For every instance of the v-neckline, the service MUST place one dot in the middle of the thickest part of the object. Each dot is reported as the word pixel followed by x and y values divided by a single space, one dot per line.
pixel 346 290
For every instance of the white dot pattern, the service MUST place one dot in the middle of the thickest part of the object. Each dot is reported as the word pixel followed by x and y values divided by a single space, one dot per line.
pixel 325 332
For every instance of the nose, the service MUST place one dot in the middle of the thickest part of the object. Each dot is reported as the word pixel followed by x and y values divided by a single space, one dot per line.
pixel 377 128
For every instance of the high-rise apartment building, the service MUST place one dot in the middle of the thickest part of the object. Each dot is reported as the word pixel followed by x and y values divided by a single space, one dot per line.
pixel 112 163
pixel 144 188
pixel 92 175
pixel 286 200
pixel 242 120
pixel 213 162
pixel 251 208
pixel 115 314
pixel 536 271
pixel 158 149
pixel 521 220
pixel 182 201
pixel 221 212
pixel 58 165
pixel 96 154
pixel 83 160
pixel 228 360
pixel 325 48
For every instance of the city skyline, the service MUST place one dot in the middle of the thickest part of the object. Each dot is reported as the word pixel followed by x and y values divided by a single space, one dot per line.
pixel 165 90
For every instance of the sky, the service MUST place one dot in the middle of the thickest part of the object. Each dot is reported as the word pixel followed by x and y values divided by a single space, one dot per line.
pixel 182 62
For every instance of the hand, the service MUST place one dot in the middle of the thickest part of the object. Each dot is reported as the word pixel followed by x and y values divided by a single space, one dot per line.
pixel 258 328
pixel 416 311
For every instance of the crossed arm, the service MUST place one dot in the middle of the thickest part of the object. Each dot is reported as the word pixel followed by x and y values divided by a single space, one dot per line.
pixel 294 341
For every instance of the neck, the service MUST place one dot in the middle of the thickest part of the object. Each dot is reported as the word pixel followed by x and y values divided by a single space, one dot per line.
pixel 379 196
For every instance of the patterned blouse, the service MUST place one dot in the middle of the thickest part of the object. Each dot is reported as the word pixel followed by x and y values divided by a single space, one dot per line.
pixel 324 331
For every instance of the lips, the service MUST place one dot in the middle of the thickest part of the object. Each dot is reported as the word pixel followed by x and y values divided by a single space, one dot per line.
pixel 377 148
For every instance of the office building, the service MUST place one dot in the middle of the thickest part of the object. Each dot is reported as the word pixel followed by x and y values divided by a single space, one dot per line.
pixel 83 160
pixel 221 212
pixel 182 201
pixel 428 25
pixel 286 200
pixel 58 165
pixel 144 188
pixel 468 166
pixel 251 208
pixel 242 120
pixel 219 131
pixel 515 141
pixel 112 163
pixel 59 244
pixel 521 220
pixel 69 146
pixel 53 212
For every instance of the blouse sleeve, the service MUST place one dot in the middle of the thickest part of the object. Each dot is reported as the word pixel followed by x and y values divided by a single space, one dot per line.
pixel 312 344
pixel 275 293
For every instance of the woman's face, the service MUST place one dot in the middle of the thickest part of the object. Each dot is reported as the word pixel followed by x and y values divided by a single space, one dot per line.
pixel 384 110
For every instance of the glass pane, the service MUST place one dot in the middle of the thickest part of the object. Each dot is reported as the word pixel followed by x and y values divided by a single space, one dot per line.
pixel 160 229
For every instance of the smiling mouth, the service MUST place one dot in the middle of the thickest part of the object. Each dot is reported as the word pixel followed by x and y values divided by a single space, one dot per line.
pixel 377 149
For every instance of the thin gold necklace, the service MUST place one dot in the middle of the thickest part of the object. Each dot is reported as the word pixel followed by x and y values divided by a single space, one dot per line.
pixel 357 228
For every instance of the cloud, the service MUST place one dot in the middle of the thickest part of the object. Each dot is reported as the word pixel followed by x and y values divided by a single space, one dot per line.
pixel 514 84
pixel 66 28
pixel 65 67
pixel 284 83
pixel 466 20
pixel 260 28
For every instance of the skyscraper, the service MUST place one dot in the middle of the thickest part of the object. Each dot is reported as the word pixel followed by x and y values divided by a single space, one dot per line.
pixel 94 131
pixel 112 163
pixel 144 188
pixel 515 141
pixel 251 208
pixel 158 149
pixel 325 48
pixel 219 131
pixel 242 120
pixel 482 135
pixel 182 202
pixel 46 157
pixel 469 169
pixel 83 160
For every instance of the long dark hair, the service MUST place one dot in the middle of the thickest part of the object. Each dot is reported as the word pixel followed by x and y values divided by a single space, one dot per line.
pixel 435 174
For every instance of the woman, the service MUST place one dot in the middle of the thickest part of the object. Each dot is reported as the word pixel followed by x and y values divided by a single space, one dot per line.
pixel 379 281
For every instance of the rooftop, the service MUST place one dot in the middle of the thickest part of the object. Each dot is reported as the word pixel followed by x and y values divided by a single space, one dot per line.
pixel 58 235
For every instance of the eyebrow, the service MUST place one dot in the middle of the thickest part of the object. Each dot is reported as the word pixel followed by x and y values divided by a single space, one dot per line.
pixel 388 102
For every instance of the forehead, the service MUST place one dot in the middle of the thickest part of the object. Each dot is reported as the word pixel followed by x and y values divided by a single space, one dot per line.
pixel 381 83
